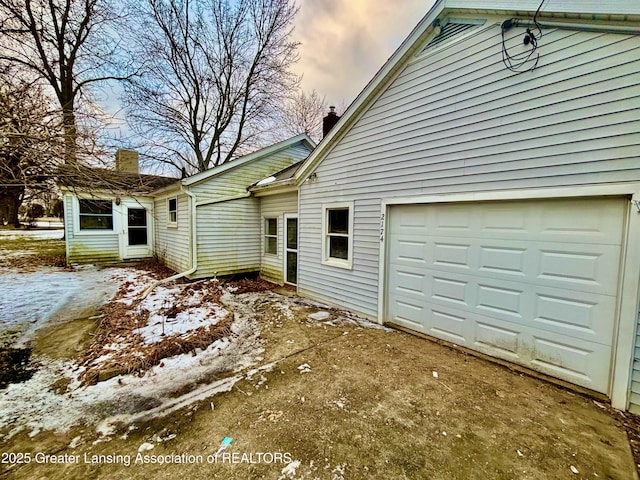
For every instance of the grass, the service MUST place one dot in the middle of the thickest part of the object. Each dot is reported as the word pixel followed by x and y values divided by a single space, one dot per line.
pixel 24 252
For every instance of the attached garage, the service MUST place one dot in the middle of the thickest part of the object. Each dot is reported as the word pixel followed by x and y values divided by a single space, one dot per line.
pixel 494 205
pixel 534 282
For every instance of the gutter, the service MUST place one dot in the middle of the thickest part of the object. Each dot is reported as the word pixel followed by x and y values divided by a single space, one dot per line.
pixel 193 250
pixel 585 27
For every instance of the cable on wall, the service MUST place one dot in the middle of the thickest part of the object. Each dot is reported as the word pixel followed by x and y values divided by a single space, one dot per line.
pixel 527 60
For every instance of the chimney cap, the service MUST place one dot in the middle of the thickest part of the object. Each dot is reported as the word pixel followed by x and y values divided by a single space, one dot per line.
pixel 332 110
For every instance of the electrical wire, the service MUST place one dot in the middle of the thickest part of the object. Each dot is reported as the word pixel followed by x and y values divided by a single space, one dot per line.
pixel 525 61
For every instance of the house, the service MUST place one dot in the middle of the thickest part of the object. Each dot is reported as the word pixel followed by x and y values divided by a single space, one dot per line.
pixel 484 189
pixel 204 225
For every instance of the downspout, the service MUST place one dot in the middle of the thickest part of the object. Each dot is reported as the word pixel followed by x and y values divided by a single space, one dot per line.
pixel 193 244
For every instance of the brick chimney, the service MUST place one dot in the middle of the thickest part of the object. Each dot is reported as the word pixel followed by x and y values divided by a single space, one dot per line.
pixel 126 161
pixel 329 121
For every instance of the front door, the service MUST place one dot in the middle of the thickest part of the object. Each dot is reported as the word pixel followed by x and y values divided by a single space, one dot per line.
pixel 291 249
pixel 136 237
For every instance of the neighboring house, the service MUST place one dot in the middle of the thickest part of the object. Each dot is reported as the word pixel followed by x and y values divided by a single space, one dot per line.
pixel 204 225
pixel 492 209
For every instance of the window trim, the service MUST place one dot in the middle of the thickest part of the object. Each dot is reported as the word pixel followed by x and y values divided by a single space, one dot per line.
pixel 94 231
pixel 266 235
pixel 326 259
pixel 173 224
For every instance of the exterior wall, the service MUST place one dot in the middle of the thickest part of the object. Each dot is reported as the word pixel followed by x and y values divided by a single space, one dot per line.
pixel 634 398
pixel 172 242
pixel 272 266
pixel 85 247
pixel 235 181
pixel 456 120
pixel 228 237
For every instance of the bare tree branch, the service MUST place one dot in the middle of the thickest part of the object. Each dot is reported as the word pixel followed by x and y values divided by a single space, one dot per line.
pixel 213 74
pixel 71 44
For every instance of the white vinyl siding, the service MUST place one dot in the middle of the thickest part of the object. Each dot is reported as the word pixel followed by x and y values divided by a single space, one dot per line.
pixel 85 247
pixel 455 120
pixel 172 242
pixel 235 181
pixel 275 206
pixel 228 238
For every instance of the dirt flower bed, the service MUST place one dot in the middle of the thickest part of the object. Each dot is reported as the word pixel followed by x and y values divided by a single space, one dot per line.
pixel 136 334
pixel 248 285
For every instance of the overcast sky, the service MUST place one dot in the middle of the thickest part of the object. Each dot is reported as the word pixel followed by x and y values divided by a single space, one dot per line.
pixel 345 42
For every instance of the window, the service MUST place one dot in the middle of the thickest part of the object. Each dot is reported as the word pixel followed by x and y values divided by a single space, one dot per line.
pixel 338 234
pixel 172 207
pixel 271 236
pixel 96 215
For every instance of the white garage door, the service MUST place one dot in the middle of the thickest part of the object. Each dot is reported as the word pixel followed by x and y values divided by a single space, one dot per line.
pixel 532 282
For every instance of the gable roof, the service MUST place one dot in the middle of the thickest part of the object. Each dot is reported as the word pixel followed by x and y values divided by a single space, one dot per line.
pixel 252 157
pixel 572 13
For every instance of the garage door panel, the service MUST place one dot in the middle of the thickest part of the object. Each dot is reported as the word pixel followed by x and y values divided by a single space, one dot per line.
pixel 532 282
pixel 566 220
pixel 565 312
pixel 502 258
pixel 581 221
pixel 410 281
pixel 576 362
pixel 575 314
pixel 448 326
pixel 491 336
pixel 590 268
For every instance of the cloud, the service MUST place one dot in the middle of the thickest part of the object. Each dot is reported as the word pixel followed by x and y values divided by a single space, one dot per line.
pixel 344 43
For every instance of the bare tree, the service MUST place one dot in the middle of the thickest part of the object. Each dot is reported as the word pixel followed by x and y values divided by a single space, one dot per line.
pixel 71 44
pixel 214 74
pixel 31 145
pixel 303 113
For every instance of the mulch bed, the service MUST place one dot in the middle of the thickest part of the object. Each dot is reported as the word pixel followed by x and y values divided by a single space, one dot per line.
pixel 121 320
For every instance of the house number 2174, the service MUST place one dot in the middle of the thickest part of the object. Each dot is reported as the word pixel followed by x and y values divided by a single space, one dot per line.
pixel 382 227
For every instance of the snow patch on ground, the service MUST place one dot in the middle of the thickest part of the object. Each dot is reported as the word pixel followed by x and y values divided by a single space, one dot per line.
pixel 56 234
pixel 289 471
pixel 31 299
pixel 34 406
